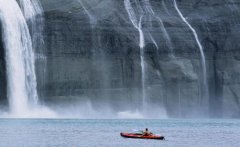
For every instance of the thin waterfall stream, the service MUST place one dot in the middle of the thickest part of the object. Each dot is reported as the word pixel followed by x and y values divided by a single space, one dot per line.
pixel 203 59
pixel 138 25
pixel 162 26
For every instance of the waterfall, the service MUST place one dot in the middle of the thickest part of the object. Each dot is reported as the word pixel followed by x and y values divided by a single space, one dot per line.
pixel 19 56
pixel 92 19
pixel 165 7
pixel 165 33
pixel 153 40
pixel 33 13
pixel 138 25
pixel 205 85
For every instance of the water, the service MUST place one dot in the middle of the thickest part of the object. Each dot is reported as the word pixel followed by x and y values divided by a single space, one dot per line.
pixel 205 85
pixel 148 6
pixel 138 25
pixel 92 19
pixel 105 133
pixel 21 77
pixel 19 57
pixel 31 9
pixel 33 13
pixel 153 40
pixel 165 7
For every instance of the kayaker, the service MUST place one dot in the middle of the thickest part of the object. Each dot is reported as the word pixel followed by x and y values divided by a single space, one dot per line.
pixel 147 133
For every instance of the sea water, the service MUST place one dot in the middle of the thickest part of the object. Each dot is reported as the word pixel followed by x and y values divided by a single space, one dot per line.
pixel 106 133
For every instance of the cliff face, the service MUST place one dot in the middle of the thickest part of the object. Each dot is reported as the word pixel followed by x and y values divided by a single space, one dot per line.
pixel 2 73
pixel 93 53
pixel 3 78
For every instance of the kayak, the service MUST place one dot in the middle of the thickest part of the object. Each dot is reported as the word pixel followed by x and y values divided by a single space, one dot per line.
pixel 140 136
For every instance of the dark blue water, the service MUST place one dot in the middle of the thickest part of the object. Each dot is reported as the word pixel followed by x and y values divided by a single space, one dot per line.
pixel 105 133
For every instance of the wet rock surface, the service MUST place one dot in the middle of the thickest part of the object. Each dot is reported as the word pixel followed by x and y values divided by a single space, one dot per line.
pixel 92 45
pixel 93 53
pixel 3 79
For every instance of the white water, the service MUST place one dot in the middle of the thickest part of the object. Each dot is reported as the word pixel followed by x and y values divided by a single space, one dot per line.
pixel 33 13
pixel 19 69
pixel 153 40
pixel 138 25
pixel 200 48
pixel 21 78
pixel 31 9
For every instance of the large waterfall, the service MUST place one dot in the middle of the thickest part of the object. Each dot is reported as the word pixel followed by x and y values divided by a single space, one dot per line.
pixel 21 77
pixel 19 56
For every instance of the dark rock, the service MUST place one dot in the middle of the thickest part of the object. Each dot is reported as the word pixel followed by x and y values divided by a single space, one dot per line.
pixel 3 84
pixel 93 46
pixel 93 52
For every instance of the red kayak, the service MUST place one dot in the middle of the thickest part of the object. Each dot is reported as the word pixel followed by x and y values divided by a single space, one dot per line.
pixel 140 136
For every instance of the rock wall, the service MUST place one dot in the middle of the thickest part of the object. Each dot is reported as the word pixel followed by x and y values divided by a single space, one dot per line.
pixel 93 53
pixel 217 23
pixel 3 84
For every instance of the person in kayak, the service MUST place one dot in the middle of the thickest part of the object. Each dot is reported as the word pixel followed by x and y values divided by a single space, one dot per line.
pixel 147 133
